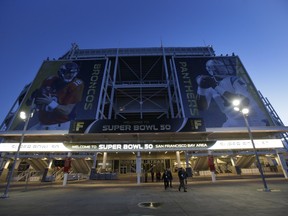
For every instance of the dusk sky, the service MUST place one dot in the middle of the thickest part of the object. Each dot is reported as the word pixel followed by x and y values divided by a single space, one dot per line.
pixel 255 30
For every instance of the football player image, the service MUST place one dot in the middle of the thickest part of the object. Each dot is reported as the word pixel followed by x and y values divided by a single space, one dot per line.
pixel 57 97
pixel 223 86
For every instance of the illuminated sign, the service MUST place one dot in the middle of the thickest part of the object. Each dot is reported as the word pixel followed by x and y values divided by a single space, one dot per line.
pixel 72 147
pixel 247 144
pixel 136 126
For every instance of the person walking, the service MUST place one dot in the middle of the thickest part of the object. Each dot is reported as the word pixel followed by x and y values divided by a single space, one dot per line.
pixel 158 176
pixel 182 176
pixel 170 177
pixel 152 174
pixel 165 178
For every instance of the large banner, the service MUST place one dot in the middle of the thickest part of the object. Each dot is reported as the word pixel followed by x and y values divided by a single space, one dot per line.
pixel 137 126
pixel 66 94
pixel 112 147
pixel 208 85
pixel 62 91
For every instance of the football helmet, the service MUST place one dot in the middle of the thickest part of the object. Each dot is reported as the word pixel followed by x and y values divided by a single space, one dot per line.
pixel 217 68
pixel 68 71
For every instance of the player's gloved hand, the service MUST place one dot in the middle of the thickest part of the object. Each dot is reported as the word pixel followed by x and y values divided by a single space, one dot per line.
pixel 44 99
pixel 205 82
pixel 47 100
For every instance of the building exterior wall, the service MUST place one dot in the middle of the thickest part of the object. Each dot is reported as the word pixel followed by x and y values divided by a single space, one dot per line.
pixel 140 91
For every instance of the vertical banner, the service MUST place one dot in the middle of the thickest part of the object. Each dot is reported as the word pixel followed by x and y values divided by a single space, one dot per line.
pixel 208 86
pixel 62 91
pixel 188 86
pixel 94 72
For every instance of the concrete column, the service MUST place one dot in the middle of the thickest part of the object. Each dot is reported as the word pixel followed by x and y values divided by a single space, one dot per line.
pixel 17 164
pixel 66 173
pixel 7 164
pixel 187 156
pixel 48 172
pixel 2 161
pixel 232 161
pixel 283 163
pixel 211 165
pixel 138 167
pixel 188 167
pixel 235 169
pixel 93 168
pixel 94 160
pixel 16 173
pixel 104 161
pixel 178 159
pixel 50 163
pixel 5 171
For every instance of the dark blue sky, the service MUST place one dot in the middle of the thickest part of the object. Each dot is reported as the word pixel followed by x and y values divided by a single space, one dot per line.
pixel 256 30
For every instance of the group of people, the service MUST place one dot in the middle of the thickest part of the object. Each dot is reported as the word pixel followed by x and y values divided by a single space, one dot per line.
pixel 182 175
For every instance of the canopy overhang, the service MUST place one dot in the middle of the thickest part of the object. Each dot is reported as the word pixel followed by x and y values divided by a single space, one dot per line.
pixel 211 134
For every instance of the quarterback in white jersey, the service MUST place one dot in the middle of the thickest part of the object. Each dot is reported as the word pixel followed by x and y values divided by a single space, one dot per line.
pixel 223 86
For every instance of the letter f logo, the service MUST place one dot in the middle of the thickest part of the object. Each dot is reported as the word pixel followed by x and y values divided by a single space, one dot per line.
pixel 196 124
pixel 79 125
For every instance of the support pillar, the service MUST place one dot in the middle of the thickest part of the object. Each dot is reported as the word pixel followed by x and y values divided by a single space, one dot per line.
pixel 283 163
pixel 50 163
pixel 2 161
pixel 67 166
pixel 138 167
pixel 187 159
pixel 48 173
pixel 5 171
pixel 188 168
pixel 93 173
pixel 94 160
pixel 178 159
pixel 211 165
pixel 235 169
pixel 104 161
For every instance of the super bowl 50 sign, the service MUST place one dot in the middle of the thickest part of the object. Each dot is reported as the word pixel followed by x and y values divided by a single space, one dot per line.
pixel 137 147
pixel 137 126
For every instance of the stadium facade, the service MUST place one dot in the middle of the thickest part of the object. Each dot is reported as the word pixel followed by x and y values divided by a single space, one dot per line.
pixel 108 113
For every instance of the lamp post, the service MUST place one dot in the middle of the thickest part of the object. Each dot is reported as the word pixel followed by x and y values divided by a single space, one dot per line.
pixel 244 110
pixel 26 118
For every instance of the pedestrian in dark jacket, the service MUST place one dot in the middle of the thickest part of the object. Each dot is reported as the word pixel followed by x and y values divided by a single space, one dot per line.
pixel 158 176
pixel 165 178
pixel 182 176
pixel 170 177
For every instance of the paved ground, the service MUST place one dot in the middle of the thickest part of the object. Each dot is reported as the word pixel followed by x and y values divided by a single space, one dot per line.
pixel 236 196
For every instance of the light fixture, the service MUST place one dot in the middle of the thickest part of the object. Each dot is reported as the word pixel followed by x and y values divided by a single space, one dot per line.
pixel 26 119
pixel 245 110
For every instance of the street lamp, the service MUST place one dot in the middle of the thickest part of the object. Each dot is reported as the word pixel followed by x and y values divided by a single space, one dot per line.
pixel 244 110
pixel 26 119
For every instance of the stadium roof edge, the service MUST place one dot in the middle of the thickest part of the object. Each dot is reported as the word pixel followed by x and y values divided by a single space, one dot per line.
pixel 76 52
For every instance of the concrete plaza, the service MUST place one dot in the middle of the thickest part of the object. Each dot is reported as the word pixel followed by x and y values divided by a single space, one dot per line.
pixel 226 196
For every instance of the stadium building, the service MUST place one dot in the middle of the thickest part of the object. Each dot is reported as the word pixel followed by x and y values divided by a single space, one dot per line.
pixel 133 112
